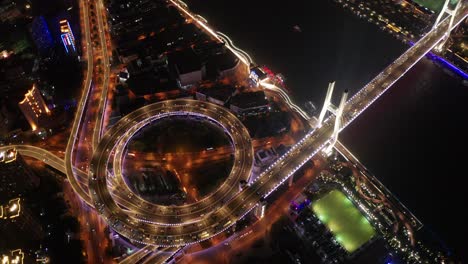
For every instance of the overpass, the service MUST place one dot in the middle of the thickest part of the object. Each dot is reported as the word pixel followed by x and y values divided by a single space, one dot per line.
pixel 80 110
pixel 106 75
pixel 112 147
pixel 236 208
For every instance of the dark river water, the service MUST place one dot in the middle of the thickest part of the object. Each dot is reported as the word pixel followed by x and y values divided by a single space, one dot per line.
pixel 413 138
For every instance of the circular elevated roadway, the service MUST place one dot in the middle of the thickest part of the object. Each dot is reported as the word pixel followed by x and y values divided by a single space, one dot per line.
pixel 136 218
pixel 177 215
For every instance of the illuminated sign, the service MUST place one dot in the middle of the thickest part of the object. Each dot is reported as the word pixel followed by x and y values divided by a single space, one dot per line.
pixel 67 37
pixel 257 75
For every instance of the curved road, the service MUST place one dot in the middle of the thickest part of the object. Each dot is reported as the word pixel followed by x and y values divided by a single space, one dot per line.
pixel 190 213
pixel 79 112
pixel 268 181
pixel 236 208
pixel 164 217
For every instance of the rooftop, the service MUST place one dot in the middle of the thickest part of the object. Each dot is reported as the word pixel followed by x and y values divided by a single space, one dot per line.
pixel 223 61
pixel 222 93
pixel 186 61
pixel 250 99
pixel 150 83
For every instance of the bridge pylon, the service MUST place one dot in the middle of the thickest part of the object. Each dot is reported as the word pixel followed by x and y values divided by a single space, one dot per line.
pixel 260 209
pixel 327 105
pixel 338 124
pixel 451 11
pixel 337 111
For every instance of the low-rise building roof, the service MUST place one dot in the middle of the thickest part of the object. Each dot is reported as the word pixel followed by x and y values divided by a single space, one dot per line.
pixel 249 100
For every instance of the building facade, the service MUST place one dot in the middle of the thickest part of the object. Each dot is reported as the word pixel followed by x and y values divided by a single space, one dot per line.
pixel 68 39
pixel 33 107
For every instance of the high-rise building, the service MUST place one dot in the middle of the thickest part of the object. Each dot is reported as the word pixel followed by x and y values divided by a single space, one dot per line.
pixel 33 107
pixel 68 39
pixel 19 224
pixel 16 178
pixel 11 210
pixel 14 257
pixel 41 35
pixel 22 223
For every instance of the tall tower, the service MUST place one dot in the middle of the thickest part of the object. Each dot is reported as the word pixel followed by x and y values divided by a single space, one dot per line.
pixel 451 10
pixel 33 107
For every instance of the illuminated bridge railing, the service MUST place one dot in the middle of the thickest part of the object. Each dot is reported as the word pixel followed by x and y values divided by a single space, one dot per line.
pixel 405 57
pixel 381 79
pixel 226 39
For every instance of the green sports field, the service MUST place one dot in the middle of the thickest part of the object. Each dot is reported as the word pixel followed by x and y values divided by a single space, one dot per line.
pixel 434 5
pixel 350 228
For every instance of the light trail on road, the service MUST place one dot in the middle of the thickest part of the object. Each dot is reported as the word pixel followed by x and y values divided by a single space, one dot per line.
pixel 235 208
